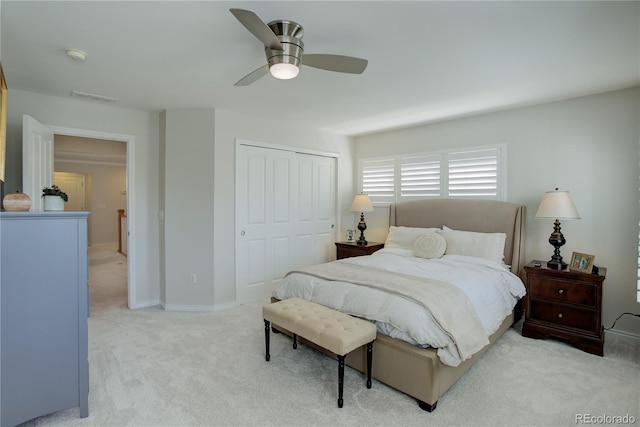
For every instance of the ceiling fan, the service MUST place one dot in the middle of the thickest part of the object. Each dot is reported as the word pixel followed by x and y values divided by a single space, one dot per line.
pixel 283 46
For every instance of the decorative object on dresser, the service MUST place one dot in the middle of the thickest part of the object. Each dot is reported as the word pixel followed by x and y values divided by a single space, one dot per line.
pixel 17 201
pixel 54 198
pixel 351 249
pixel 559 205
pixel 44 311
pixel 362 203
pixel 565 305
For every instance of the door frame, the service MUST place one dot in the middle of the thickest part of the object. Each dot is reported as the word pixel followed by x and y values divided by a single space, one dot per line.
pixel 289 148
pixel 131 208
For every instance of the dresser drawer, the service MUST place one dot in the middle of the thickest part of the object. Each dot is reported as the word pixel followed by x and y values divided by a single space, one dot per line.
pixel 562 291
pixel 563 315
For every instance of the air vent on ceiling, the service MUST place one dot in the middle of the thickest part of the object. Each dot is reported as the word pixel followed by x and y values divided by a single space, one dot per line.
pixel 93 96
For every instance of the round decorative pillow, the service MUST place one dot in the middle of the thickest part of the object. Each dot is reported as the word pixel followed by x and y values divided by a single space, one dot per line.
pixel 429 246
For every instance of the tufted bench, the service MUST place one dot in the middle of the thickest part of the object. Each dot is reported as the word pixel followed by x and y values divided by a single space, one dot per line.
pixel 337 332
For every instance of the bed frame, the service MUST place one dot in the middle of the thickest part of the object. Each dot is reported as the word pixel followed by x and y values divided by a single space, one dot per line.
pixel 416 371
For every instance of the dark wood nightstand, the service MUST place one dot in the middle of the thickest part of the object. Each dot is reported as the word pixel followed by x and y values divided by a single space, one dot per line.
pixel 351 249
pixel 565 305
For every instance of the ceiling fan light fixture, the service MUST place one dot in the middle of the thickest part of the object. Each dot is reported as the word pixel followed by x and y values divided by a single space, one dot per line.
pixel 284 49
pixel 284 71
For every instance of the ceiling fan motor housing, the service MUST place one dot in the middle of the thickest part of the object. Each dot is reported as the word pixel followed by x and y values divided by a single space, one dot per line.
pixel 289 34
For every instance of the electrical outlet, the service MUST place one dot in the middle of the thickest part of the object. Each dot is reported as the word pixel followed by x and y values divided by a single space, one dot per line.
pixel 193 278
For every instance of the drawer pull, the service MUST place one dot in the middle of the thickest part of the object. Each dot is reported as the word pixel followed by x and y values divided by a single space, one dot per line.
pixel 559 315
pixel 561 291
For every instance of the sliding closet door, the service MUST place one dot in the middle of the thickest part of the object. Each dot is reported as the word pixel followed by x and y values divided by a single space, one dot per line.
pixel 316 209
pixel 285 216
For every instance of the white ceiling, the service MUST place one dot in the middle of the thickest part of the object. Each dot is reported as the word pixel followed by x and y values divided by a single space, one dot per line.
pixel 428 61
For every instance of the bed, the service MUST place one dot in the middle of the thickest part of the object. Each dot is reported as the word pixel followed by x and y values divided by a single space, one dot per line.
pixel 402 360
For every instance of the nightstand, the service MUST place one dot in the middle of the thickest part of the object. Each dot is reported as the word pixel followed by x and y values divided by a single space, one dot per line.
pixel 351 249
pixel 564 305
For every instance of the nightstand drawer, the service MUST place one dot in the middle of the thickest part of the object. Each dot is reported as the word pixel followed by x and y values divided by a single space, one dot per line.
pixel 563 315
pixel 350 249
pixel 562 290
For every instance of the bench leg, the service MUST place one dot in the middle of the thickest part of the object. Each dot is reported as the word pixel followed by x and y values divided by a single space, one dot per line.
pixel 369 360
pixel 340 380
pixel 295 341
pixel 267 356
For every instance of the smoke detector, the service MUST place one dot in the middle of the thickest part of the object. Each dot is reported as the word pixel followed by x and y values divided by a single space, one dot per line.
pixel 76 54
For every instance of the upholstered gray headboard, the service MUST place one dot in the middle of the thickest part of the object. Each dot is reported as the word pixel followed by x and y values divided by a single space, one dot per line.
pixel 470 215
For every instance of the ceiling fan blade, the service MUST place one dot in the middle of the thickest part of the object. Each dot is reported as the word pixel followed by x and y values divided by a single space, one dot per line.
pixel 257 27
pixel 340 63
pixel 253 76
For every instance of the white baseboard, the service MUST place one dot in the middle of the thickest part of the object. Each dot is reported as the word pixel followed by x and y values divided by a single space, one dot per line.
pixel 623 334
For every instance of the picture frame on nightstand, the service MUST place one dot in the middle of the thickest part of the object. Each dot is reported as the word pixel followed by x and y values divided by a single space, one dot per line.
pixel 581 263
pixel 351 236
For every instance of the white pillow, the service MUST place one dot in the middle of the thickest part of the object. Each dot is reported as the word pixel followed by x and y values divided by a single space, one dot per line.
pixel 483 245
pixel 429 245
pixel 403 237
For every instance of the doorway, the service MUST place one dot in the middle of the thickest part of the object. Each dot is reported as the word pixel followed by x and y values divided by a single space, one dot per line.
pixel 93 174
pixel 35 144
pixel 108 158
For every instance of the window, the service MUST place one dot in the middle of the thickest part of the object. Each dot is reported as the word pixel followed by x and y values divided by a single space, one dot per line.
pixel 377 179
pixel 465 174
pixel 420 177
pixel 474 174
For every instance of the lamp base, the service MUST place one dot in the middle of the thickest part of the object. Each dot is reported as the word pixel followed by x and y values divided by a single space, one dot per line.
pixel 557 240
pixel 362 226
pixel 557 264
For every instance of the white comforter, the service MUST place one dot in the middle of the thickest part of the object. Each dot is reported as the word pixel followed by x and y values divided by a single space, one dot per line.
pixel 492 289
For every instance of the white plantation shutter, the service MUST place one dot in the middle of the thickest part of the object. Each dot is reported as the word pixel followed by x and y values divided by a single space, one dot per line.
pixel 474 174
pixel 470 174
pixel 378 179
pixel 420 177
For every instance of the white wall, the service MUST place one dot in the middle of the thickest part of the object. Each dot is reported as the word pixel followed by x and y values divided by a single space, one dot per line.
pixel 588 146
pixel 231 126
pixel 88 115
pixel 188 209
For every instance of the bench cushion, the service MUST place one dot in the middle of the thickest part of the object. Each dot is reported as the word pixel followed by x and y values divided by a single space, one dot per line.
pixel 330 329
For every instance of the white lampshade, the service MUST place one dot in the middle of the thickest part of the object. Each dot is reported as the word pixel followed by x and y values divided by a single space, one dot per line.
pixel 361 203
pixel 558 205
pixel 284 71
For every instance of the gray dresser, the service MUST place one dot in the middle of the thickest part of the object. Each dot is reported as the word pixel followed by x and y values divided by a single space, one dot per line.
pixel 44 308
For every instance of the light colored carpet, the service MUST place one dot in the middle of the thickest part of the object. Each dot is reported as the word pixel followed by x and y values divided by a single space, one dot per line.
pixel 154 368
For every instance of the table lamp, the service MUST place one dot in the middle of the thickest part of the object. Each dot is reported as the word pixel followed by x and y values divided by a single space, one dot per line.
pixel 362 203
pixel 557 204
